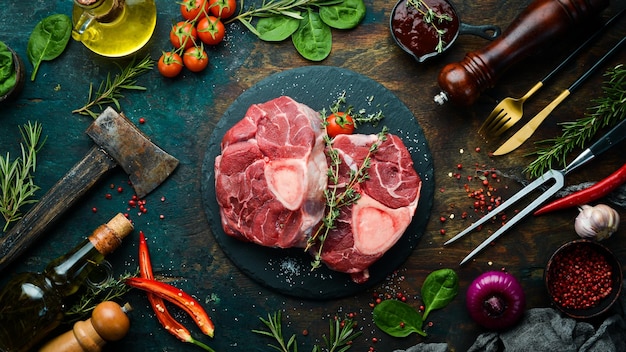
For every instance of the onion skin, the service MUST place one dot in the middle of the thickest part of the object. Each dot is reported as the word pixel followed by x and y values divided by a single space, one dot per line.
pixel 504 292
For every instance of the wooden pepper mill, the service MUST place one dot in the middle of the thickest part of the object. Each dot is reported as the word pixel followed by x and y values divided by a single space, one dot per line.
pixel 541 23
pixel 108 322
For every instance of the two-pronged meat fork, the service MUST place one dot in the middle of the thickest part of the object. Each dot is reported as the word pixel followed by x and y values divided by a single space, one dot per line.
pixel 614 136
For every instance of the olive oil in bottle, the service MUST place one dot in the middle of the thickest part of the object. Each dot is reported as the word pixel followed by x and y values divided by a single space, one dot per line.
pixel 32 304
pixel 113 28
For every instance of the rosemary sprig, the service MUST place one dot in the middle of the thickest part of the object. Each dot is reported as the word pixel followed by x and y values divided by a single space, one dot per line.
pixel 607 110
pixel 110 90
pixel 289 8
pixel 430 16
pixel 274 325
pixel 16 181
pixel 111 289
pixel 341 334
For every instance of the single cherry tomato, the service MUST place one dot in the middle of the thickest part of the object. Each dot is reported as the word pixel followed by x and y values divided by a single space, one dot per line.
pixel 195 59
pixel 170 64
pixel 223 8
pixel 183 34
pixel 193 9
pixel 211 30
pixel 339 123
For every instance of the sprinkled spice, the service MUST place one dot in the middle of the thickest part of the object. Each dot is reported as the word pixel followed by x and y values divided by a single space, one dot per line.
pixel 580 278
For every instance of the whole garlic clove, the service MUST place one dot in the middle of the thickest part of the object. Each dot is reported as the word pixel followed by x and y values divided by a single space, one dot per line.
pixel 596 222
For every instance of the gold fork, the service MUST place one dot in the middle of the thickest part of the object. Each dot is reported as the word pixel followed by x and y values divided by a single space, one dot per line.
pixel 506 113
pixel 510 110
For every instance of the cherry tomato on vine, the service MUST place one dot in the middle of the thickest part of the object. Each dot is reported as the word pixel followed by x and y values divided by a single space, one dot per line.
pixel 339 123
pixel 183 33
pixel 223 8
pixel 193 9
pixel 195 59
pixel 170 64
pixel 211 30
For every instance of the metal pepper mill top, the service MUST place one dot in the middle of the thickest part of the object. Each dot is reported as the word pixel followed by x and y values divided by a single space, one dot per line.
pixel 542 22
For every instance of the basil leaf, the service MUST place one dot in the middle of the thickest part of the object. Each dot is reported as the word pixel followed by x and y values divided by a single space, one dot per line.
pixel 439 288
pixel 345 15
pixel 276 28
pixel 313 38
pixel 48 40
pixel 397 318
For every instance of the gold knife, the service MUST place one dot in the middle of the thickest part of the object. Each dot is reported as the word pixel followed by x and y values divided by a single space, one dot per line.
pixel 531 126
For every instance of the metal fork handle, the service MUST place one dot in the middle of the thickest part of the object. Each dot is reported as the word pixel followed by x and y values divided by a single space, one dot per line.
pixel 614 136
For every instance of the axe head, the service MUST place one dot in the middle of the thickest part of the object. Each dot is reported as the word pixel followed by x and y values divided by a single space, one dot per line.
pixel 146 164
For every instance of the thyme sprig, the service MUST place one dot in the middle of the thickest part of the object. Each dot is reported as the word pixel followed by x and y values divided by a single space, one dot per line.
pixel 112 288
pixel 432 18
pixel 17 187
pixel 606 110
pixel 339 194
pixel 289 8
pixel 110 90
pixel 341 334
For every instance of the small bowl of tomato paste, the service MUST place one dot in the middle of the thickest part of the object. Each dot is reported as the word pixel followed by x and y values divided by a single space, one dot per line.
pixel 427 28
pixel 583 278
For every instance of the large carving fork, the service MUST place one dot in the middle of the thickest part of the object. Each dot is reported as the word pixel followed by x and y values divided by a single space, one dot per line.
pixel 614 136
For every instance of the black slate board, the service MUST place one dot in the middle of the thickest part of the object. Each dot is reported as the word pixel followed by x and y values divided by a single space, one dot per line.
pixel 288 271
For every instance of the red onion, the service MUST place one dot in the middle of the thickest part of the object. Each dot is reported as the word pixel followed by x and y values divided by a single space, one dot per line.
pixel 495 300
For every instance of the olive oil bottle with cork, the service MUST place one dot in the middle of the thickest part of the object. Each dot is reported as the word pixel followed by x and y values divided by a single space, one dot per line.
pixel 32 304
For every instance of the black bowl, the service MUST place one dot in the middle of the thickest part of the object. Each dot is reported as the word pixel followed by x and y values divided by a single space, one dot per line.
pixel 580 251
pixel 19 79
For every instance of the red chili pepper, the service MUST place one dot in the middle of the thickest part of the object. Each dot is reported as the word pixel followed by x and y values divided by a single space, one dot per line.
pixel 170 293
pixel 595 192
pixel 158 305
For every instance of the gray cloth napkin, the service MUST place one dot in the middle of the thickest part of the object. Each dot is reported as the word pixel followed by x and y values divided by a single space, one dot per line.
pixel 546 329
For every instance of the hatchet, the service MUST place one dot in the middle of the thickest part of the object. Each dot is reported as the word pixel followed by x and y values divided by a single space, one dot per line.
pixel 118 142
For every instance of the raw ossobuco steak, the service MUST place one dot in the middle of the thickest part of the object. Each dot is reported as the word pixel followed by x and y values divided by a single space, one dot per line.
pixel 388 199
pixel 271 174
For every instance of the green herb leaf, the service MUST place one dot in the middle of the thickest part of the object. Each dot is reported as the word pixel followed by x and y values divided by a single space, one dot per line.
pixel 313 39
pixel 48 40
pixel 276 29
pixel 345 15
pixel 110 90
pixel 439 288
pixel 17 187
pixel 397 318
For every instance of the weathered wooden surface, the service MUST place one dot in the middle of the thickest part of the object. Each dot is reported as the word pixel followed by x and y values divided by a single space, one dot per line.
pixel 181 114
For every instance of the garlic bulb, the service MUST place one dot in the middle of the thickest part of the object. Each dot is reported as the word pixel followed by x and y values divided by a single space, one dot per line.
pixel 598 222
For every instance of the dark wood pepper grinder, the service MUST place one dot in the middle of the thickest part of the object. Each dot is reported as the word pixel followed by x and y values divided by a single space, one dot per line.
pixel 541 23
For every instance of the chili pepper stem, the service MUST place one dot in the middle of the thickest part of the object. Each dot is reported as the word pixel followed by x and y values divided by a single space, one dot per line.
pixel 200 344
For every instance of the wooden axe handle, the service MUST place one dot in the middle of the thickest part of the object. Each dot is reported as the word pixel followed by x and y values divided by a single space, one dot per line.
pixel 54 203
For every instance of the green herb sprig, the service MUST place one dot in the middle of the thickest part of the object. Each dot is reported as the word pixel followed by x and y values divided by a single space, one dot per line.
pixel 17 187
pixel 338 195
pixel 432 18
pixel 607 110
pixel 111 289
pixel 110 90
pixel 341 334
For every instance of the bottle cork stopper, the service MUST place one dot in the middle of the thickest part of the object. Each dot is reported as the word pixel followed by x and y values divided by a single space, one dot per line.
pixel 106 238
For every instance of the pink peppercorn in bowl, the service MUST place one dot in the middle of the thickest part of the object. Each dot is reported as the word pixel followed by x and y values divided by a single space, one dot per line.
pixel 583 278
